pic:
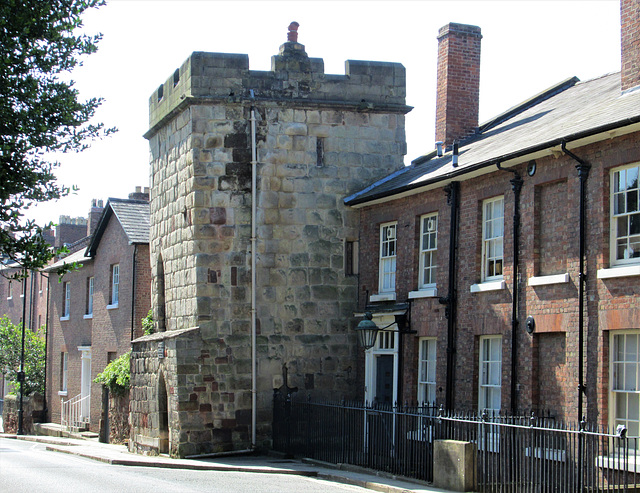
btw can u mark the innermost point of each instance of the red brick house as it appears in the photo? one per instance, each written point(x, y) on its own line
point(96, 310)
point(69, 232)
point(514, 254)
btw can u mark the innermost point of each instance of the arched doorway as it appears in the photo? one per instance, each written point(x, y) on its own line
point(163, 421)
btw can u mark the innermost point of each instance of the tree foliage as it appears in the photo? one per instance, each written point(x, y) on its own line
point(117, 375)
point(10, 355)
point(40, 114)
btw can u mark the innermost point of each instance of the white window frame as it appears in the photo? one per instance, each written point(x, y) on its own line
point(428, 250)
point(630, 198)
point(492, 239)
point(66, 301)
point(115, 285)
point(489, 366)
point(90, 286)
point(10, 291)
point(427, 347)
point(388, 255)
point(625, 380)
point(64, 373)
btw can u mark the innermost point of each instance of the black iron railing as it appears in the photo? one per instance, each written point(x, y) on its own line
point(514, 453)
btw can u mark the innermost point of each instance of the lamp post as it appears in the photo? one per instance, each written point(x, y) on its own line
point(21, 373)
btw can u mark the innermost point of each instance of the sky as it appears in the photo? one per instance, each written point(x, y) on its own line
point(527, 46)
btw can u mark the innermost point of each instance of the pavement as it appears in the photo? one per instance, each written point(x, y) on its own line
point(249, 463)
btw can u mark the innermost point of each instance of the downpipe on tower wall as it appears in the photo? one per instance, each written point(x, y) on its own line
point(254, 171)
point(583, 169)
point(516, 186)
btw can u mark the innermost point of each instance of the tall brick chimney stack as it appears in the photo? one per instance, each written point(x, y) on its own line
point(458, 86)
point(630, 44)
point(95, 213)
point(140, 194)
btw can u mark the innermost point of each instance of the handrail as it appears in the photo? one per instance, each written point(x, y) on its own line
point(71, 411)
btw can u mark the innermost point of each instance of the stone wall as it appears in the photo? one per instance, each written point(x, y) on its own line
point(119, 428)
point(319, 138)
point(32, 408)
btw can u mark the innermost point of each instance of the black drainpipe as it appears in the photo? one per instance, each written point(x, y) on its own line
point(453, 191)
point(583, 173)
point(45, 404)
point(133, 290)
point(516, 185)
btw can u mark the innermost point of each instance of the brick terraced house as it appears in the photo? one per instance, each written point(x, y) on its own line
point(96, 310)
point(514, 252)
point(70, 232)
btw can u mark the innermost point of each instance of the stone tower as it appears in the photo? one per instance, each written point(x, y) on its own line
point(298, 141)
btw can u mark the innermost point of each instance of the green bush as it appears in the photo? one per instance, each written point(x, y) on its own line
point(147, 324)
point(117, 375)
point(10, 355)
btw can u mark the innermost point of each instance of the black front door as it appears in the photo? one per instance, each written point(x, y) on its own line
point(384, 379)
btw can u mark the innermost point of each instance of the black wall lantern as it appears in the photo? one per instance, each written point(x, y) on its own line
point(367, 330)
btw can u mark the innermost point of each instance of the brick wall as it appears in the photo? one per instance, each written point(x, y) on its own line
point(546, 368)
point(108, 331)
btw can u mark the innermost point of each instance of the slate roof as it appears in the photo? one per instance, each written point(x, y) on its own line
point(79, 256)
point(569, 111)
point(133, 216)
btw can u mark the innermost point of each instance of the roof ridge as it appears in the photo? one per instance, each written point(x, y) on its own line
point(351, 197)
point(528, 103)
point(134, 201)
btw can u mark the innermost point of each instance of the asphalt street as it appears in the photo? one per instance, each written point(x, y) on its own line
point(28, 467)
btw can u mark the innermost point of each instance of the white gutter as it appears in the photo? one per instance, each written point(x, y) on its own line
point(254, 171)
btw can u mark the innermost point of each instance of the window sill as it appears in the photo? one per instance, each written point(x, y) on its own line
point(382, 297)
point(62, 319)
point(622, 271)
point(89, 316)
point(488, 286)
point(112, 307)
point(62, 393)
point(617, 462)
point(423, 293)
point(546, 280)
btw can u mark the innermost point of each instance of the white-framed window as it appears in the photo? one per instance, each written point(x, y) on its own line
point(625, 215)
point(64, 371)
point(492, 238)
point(90, 282)
point(625, 385)
point(490, 374)
point(115, 284)
point(427, 370)
point(388, 257)
point(66, 300)
point(10, 291)
point(428, 250)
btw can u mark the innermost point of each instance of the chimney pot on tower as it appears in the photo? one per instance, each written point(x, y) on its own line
point(292, 35)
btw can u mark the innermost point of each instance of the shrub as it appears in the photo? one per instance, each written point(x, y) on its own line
point(117, 375)
point(147, 324)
